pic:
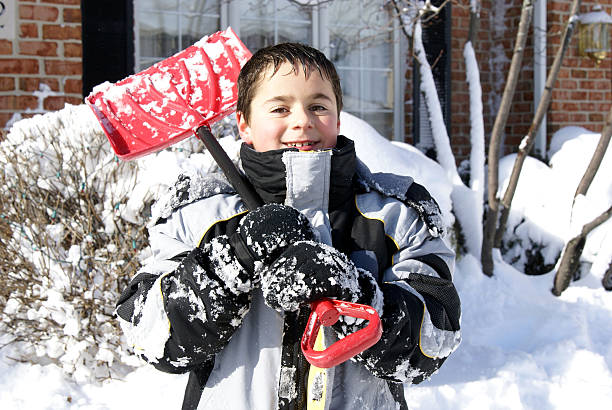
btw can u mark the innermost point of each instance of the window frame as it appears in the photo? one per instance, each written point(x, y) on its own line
point(230, 16)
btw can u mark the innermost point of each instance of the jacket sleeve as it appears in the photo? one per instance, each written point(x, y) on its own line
point(184, 306)
point(421, 310)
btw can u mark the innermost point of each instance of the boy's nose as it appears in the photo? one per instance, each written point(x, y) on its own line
point(302, 118)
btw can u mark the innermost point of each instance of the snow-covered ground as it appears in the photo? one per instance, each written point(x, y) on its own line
point(522, 347)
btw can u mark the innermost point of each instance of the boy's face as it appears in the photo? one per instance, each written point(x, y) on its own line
point(290, 110)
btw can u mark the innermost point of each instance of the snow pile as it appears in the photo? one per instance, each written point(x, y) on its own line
point(542, 219)
point(522, 347)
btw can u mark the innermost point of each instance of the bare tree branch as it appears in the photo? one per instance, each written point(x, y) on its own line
point(572, 251)
point(598, 155)
point(496, 137)
point(527, 143)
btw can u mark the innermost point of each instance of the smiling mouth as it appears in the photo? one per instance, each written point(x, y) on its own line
point(300, 144)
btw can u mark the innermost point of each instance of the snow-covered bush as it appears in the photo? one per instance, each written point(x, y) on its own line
point(69, 241)
point(73, 232)
point(544, 216)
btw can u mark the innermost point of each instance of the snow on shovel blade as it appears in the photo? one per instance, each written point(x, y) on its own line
point(165, 103)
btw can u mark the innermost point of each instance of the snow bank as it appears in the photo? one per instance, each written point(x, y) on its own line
point(522, 348)
point(542, 219)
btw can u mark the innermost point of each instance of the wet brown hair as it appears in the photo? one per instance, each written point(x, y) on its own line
point(299, 56)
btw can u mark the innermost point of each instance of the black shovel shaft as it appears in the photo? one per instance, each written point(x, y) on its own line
point(199, 376)
point(242, 186)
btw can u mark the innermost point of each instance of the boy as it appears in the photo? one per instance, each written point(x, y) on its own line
point(227, 295)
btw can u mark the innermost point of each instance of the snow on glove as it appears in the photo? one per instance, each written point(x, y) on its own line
point(264, 233)
point(307, 271)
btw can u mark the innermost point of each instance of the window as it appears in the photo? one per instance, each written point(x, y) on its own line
point(359, 36)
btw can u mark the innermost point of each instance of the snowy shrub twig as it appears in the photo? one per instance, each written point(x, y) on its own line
point(67, 245)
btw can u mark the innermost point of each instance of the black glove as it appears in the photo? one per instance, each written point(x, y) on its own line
point(308, 271)
point(263, 234)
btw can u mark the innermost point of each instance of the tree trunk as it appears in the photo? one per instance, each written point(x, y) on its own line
point(474, 20)
point(607, 278)
point(527, 142)
point(598, 155)
point(496, 136)
point(571, 254)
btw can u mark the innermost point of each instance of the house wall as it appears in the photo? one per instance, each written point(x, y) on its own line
point(47, 50)
point(582, 94)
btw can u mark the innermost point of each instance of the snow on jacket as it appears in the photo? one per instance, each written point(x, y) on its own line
point(385, 223)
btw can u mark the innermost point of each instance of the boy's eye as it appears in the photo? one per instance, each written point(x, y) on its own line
point(318, 108)
point(279, 110)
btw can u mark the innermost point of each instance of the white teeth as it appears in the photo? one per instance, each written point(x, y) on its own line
point(300, 144)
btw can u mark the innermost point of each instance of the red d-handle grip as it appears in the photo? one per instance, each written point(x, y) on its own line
point(326, 312)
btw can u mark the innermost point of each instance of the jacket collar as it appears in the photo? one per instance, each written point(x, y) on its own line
point(269, 174)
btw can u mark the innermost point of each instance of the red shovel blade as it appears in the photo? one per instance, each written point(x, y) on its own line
point(326, 312)
point(163, 104)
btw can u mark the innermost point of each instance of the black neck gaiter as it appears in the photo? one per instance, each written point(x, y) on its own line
point(267, 172)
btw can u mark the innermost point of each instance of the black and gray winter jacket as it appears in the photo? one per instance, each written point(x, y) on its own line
point(178, 316)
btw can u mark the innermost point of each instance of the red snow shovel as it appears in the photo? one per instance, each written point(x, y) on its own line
point(174, 99)
point(181, 96)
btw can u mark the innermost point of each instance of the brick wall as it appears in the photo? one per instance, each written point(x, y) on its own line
point(582, 94)
point(47, 51)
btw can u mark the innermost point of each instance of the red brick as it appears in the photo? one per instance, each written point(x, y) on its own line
point(560, 95)
point(578, 95)
point(605, 107)
point(596, 74)
point(6, 47)
point(569, 106)
point(33, 84)
point(70, 2)
point(72, 86)
point(7, 84)
point(578, 73)
point(28, 30)
point(61, 67)
point(73, 50)
point(555, 105)
point(4, 118)
point(577, 117)
point(597, 96)
point(564, 73)
point(567, 84)
point(18, 66)
point(61, 32)
point(18, 102)
point(57, 102)
point(558, 117)
point(72, 15)
point(592, 85)
point(39, 13)
point(587, 106)
point(38, 48)
point(596, 117)
point(558, 6)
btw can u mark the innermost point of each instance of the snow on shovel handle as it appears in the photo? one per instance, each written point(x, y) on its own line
point(326, 312)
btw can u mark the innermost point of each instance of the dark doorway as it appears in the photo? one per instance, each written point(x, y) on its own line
point(108, 41)
point(437, 43)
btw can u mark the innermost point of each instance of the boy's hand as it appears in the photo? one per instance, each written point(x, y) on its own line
point(308, 271)
point(264, 233)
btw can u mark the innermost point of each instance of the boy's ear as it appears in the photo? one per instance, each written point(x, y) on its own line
point(243, 128)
